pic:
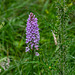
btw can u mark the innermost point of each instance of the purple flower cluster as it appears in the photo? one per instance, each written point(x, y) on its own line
point(32, 34)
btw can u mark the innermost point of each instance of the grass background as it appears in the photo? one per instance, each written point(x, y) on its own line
point(13, 18)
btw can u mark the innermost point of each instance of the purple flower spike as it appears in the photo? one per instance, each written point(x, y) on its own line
point(32, 33)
